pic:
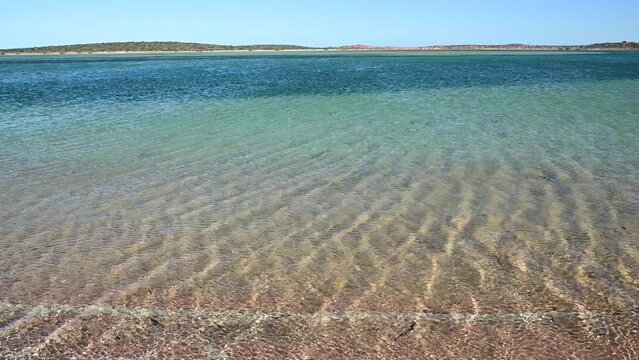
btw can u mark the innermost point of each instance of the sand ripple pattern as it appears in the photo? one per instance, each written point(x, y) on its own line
point(103, 332)
point(457, 222)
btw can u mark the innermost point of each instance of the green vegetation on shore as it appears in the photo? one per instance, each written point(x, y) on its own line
point(143, 46)
point(613, 45)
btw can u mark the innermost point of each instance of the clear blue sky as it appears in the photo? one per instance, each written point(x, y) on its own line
point(318, 22)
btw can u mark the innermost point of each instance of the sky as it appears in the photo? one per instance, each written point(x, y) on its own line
point(25, 23)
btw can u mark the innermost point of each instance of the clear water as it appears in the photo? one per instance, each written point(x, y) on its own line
point(457, 184)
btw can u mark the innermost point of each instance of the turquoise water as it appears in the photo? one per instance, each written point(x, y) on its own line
point(445, 183)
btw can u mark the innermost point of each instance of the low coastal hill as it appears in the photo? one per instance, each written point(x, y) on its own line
point(146, 46)
point(173, 46)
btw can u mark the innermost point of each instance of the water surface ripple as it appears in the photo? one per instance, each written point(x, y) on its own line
point(474, 198)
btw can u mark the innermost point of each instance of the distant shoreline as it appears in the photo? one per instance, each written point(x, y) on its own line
point(152, 52)
point(296, 50)
point(169, 47)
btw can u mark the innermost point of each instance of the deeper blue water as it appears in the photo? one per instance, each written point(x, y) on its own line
point(42, 81)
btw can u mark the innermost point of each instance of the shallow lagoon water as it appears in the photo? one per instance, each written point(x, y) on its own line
point(425, 194)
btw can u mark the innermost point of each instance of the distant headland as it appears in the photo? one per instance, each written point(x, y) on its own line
point(146, 46)
point(173, 46)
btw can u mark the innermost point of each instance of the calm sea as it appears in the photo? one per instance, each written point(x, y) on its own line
point(455, 188)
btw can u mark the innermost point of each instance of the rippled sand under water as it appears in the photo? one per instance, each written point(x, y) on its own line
point(458, 222)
